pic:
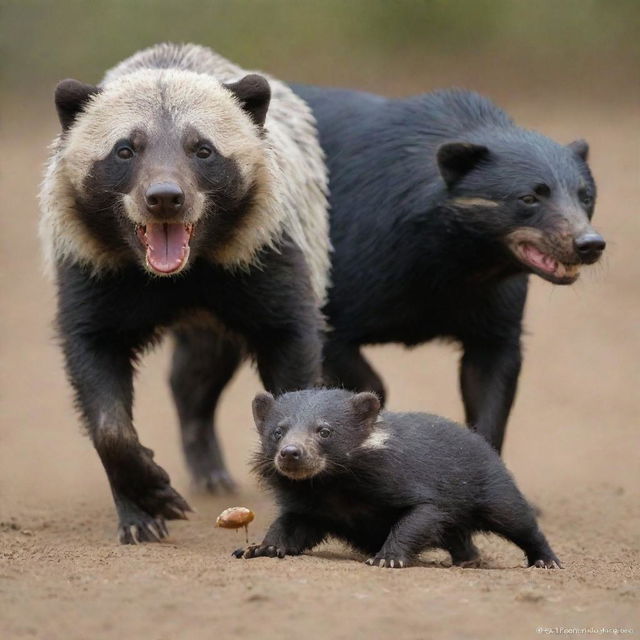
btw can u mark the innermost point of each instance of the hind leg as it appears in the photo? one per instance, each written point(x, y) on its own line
point(419, 528)
point(344, 366)
point(509, 515)
point(459, 544)
point(203, 363)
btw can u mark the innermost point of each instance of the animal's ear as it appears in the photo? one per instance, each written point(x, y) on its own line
point(366, 406)
point(580, 148)
point(71, 96)
point(262, 404)
point(254, 93)
point(456, 159)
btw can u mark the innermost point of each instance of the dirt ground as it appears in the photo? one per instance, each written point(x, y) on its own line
point(572, 444)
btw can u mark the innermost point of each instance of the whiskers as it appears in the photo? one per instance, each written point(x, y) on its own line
point(262, 466)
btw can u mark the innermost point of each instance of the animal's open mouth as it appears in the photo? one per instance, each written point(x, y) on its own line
point(166, 244)
point(545, 265)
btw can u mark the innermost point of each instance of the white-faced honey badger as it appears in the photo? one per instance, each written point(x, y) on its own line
point(184, 193)
point(388, 484)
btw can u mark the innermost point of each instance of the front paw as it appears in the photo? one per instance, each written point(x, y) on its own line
point(260, 551)
point(388, 561)
point(144, 499)
point(547, 563)
point(137, 526)
point(143, 519)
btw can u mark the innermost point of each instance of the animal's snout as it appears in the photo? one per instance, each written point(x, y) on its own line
point(164, 199)
point(291, 453)
point(590, 246)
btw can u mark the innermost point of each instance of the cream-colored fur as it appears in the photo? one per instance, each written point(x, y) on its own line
point(286, 165)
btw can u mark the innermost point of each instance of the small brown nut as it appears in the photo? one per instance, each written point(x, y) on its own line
point(234, 518)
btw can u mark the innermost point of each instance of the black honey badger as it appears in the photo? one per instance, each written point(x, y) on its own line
point(183, 192)
point(388, 484)
point(440, 207)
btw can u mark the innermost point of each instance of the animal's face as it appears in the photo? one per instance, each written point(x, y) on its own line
point(306, 433)
point(164, 164)
point(532, 195)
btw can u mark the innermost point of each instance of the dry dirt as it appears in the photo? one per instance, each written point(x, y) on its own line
point(573, 446)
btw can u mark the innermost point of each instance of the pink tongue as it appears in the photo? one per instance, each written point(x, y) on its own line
point(167, 246)
point(539, 259)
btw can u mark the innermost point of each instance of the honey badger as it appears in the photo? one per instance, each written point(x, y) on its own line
point(185, 193)
point(388, 484)
point(441, 207)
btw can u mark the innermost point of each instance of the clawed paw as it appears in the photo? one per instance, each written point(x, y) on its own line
point(142, 529)
point(142, 519)
point(260, 551)
point(547, 563)
point(163, 500)
point(387, 562)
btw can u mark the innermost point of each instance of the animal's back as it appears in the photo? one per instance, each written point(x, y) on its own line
point(434, 455)
point(358, 129)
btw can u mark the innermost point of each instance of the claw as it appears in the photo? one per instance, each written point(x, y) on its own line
point(133, 532)
point(544, 564)
point(160, 523)
point(401, 564)
point(251, 552)
point(174, 513)
point(392, 563)
point(153, 531)
point(381, 563)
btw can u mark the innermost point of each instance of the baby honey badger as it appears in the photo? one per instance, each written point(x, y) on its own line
point(389, 484)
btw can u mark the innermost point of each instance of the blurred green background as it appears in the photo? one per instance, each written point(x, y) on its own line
point(588, 48)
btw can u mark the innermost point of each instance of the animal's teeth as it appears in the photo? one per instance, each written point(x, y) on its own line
point(560, 270)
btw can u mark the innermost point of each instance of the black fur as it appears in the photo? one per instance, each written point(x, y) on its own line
point(218, 315)
point(105, 324)
point(430, 484)
point(419, 256)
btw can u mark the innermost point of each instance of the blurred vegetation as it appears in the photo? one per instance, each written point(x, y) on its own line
point(401, 45)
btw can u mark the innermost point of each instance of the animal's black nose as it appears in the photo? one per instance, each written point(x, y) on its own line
point(589, 246)
point(164, 199)
point(291, 452)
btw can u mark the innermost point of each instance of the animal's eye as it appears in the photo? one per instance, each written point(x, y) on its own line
point(124, 152)
point(277, 433)
point(587, 200)
point(529, 199)
point(324, 432)
point(203, 151)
